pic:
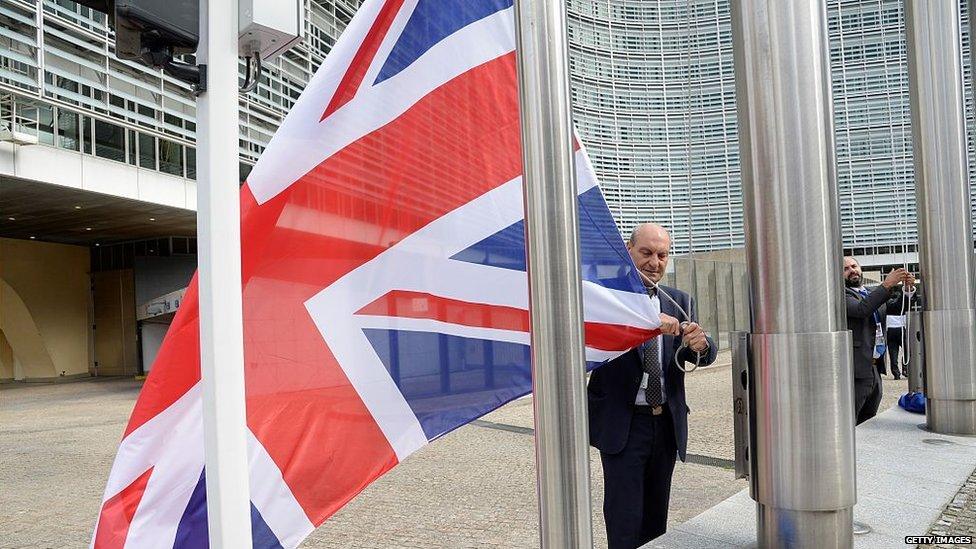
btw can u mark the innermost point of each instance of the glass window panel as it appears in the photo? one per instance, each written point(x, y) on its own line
point(109, 141)
point(147, 151)
point(86, 134)
point(244, 171)
point(170, 157)
point(45, 125)
point(191, 163)
point(68, 137)
point(171, 119)
point(131, 143)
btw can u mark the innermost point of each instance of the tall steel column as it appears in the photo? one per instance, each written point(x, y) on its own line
point(945, 227)
point(801, 389)
point(555, 294)
point(219, 279)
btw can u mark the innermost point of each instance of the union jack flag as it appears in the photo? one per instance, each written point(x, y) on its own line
point(384, 286)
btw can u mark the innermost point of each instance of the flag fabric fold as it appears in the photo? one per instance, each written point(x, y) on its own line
point(384, 282)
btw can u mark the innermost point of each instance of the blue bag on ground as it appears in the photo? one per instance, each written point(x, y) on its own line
point(913, 402)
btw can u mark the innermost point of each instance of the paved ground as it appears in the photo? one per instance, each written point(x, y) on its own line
point(959, 516)
point(473, 488)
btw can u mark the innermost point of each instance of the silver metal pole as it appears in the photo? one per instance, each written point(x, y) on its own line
point(945, 228)
point(219, 280)
point(801, 388)
point(552, 248)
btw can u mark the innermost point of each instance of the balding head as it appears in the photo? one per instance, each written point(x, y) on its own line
point(649, 230)
point(649, 246)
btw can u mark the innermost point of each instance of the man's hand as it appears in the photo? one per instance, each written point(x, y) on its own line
point(898, 276)
point(670, 325)
point(694, 337)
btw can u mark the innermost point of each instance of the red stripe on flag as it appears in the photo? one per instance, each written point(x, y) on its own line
point(614, 337)
point(117, 513)
point(353, 78)
point(179, 355)
point(401, 303)
point(407, 304)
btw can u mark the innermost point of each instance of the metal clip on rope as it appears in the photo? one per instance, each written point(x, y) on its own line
point(677, 363)
point(684, 324)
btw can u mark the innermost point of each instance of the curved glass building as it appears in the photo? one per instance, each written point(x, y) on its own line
point(653, 100)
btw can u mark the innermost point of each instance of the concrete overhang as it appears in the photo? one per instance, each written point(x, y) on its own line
point(54, 213)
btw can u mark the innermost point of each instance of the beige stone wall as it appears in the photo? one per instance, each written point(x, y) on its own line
point(44, 309)
point(729, 255)
point(114, 312)
point(6, 359)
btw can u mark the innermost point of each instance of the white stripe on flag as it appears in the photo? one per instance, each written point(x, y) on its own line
point(493, 334)
point(273, 498)
point(176, 474)
point(141, 448)
point(303, 141)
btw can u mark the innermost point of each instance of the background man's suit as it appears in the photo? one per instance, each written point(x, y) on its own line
point(861, 322)
point(638, 450)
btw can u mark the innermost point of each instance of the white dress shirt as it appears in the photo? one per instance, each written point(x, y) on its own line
point(896, 321)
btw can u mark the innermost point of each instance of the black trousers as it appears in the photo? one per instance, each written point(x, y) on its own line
point(879, 364)
point(867, 398)
point(894, 336)
point(637, 482)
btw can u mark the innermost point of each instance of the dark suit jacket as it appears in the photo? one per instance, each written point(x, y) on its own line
point(860, 321)
point(613, 387)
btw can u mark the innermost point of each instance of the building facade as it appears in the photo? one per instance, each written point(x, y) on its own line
point(872, 122)
point(97, 232)
point(654, 91)
point(60, 79)
point(654, 103)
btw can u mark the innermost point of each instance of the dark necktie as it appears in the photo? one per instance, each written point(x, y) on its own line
point(651, 364)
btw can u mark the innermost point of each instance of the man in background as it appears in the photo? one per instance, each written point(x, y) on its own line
point(866, 311)
point(894, 332)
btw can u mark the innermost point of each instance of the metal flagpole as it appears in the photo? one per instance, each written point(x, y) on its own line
point(801, 384)
point(945, 228)
point(219, 281)
point(552, 249)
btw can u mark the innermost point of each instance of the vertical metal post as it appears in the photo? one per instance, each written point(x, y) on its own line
point(914, 351)
point(219, 281)
point(945, 228)
point(552, 248)
point(801, 391)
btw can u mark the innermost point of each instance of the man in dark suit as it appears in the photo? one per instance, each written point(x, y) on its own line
point(866, 311)
point(637, 412)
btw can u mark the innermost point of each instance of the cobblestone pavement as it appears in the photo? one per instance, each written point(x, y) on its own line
point(959, 516)
point(473, 488)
